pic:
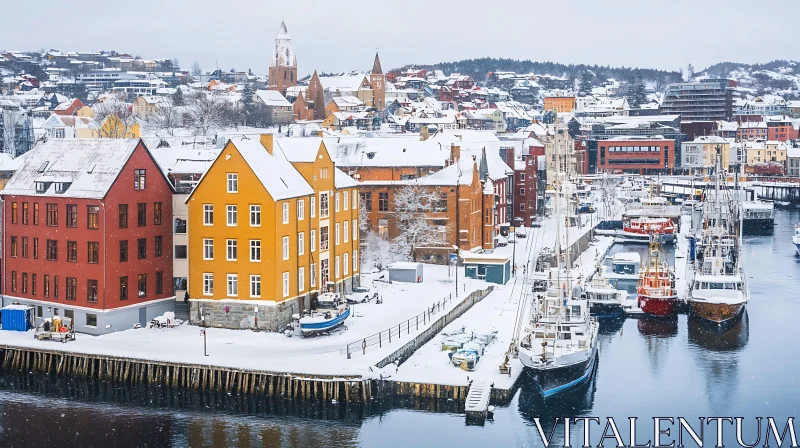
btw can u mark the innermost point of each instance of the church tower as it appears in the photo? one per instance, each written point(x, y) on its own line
point(283, 65)
point(378, 83)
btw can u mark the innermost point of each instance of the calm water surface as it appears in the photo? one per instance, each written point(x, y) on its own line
point(646, 368)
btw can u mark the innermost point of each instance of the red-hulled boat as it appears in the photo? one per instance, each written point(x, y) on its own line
point(648, 226)
point(657, 295)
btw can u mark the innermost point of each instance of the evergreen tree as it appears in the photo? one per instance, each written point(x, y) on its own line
point(585, 86)
point(636, 93)
point(177, 97)
point(249, 105)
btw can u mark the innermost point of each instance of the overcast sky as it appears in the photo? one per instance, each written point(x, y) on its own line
point(343, 35)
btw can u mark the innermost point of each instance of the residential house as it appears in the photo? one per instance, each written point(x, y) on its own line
point(278, 108)
point(780, 128)
point(765, 151)
point(700, 154)
point(751, 131)
point(147, 105)
point(65, 126)
point(793, 162)
point(560, 103)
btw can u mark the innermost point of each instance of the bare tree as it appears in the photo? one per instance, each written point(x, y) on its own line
point(166, 119)
point(208, 112)
point(413, 205)
point(608, 195)
point(196, 69)
point(379, 252)
point(115, 119)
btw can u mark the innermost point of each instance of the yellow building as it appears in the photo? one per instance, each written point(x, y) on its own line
point(560, 103)
point(115, 127)
point(765, 151)
point(272, 223)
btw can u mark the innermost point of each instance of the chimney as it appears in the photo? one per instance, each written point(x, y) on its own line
point(455, 153)
point(423, 133)
point(267, 142)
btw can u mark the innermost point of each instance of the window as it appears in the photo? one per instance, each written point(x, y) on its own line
point(233, 285)
point(123, 288)
point(159, 282)
point(25, 213)
point(123, 216)
point(24, 282)
point(91, 290)
point(313, 206)
point(313, 242)
point(33, 284)
point(522, 191)
point(301, 209)
point(233, 182)
point(312, 269)
point(355, 229)
point(141, 248)
point(208, 214)
point(208, 249)
point(94, 252)
point(346, 200)
point(36, 213)
point(46, 288)
point(324, 272)
point(232, 249)
point(93, 217)
point(336, 267)
point(354, 195)
point(440, 204)
point(141, 214)
point(180, 252)
point(141, 281)
point(285, 284)
point(52, 250)
point(323, 205)
point(285, 213)
point(285, 246)
point(233, 219)
point(55, 286)
point(52, 215)
point(36, 248)
point(157, 213)
point(346, 231)
point(13, 281)
point(91, 320)
point(14, 213)
point(366, 199)
point(337, 234)
point(72, 288)
point(180, 226)
point(72, 215)
point(255, 250)
point(123, 250)
point(139, 179)
point(72, 251)
point(301, 279)
point(255, 286)
point(383, 202)
point(345, 263)
point(355, 261)
point(208, 284)
point(521, 176)
point(323, 173)
point(14, 247)
point(159, 245)
point(336, 201)
point(301, 243)
point(255, 216)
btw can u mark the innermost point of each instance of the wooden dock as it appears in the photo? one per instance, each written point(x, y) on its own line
point(477, 404)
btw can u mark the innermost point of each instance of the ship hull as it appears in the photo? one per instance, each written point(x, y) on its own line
point(659, 306)
point(605, 309)
point(797, 248)
point(553, 380)
point(758, 225)
point(716, 313)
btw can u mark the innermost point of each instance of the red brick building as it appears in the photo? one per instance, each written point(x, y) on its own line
point(781, 128)
point(636, 155)
point(87, 234)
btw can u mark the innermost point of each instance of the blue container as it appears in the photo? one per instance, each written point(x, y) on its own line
point(692, 244)
point(16, 318)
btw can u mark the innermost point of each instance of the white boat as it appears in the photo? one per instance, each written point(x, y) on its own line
point(604, 299)
point(796, 238)
point(624, 266)
point(330, 313)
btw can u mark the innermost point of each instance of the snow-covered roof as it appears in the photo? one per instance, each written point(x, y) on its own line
point(272, 98)
point(299, 149)
point(386, 151)
point(342, 180)
point(347, 101)
point(344, 83)
point(90, 165)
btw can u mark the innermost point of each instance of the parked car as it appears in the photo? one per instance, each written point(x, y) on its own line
point(521, 234)
point(500, 241)
point(361, 294)
point(536, 223)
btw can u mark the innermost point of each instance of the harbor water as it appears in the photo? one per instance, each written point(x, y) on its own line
point(646, 368)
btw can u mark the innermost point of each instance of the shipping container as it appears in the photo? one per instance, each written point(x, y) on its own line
point(16, 318)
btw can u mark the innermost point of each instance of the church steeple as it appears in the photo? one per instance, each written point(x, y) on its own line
point(378, 83)
point(282, 64)
point(376, 66)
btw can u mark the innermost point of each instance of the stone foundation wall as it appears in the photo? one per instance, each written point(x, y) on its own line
point(235, 315)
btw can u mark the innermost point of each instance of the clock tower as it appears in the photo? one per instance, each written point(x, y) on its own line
point(282, 65)
point(378, 82)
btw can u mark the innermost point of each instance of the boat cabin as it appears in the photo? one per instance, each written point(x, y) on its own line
point(625, 263)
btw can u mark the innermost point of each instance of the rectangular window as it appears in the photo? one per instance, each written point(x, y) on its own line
point(180, 252)
point(285, 246)
point(91, 290)
point(141, 281)
point(141, 248)
point(72, 251)
point(159, 282)
point(336, 201)
point(33, 284)
point(337, 234)
point(285, 284)
point(72, 288)
point(336, 267)
point(123, 288)
point(285, 213)
point(355, 261)
point(355, 230)
point(366, 201)
point(123, 216)
point(55, 286)
point(323, 238)
point(301, 279)
point(141, 214)
point(346, 200)
point(354, 196)
point(36, 248)
point(345, 263)
point(94, 252)
point(312, 269)
point(208, 249)
point(323, 205)
point(157, 213)
point(208, 284)
point(14, 248)
point(14, 213)
point(232, 249)
point(25, 213)
point(313, 206)
point(24, 282)
point(522, 191)
point(180, 226)
point(233, 218)
point(255, 216)
point(208, 214)
point(159, 245)
point(346, 231)
point(313, 242)
point(255, 286)
point(92, 217)
point(383, 202)
point(255, 250)
point(139, 177)
point(52, 250)
point(52, 215)
point(13, 281)
point(123, 250)
point(91, 320)
point(233, 285)
point(324, 272)
point(233, 182)
point(301, 243)
point(46, 287)
point(36, 213)
point(301, 209)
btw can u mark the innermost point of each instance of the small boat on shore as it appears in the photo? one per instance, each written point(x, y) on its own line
point(657, 294)
point(330, 313)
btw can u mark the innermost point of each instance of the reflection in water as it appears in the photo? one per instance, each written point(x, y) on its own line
point(609, 326)
point(657, 332)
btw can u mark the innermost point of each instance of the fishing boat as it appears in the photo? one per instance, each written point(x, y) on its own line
point(641, 229)
point(624, 266)
point(330, 313)
point(604, 299)
point(656, 289)
point(796, 238)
